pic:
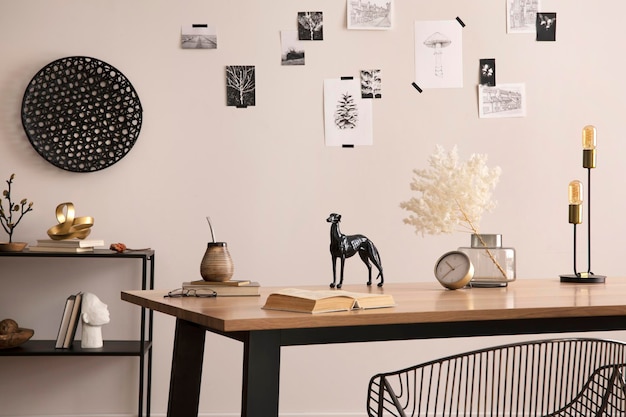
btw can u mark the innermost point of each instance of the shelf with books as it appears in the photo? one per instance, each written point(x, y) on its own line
point(140, 348)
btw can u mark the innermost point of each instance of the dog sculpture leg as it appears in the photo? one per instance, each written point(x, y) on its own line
point(365, 258)
point(334, 261)
point(343, 262)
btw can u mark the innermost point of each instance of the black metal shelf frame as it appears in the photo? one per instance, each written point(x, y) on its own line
point(141, 348)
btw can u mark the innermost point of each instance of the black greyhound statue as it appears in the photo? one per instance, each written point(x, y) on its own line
point(342, 247)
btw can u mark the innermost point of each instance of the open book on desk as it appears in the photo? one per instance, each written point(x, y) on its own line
point(325, 301)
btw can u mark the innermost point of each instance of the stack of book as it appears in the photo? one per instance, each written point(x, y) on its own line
point(68, 245)
point(69, 321)
point(232, 288)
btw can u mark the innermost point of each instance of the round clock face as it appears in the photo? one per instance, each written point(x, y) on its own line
point(454, 270)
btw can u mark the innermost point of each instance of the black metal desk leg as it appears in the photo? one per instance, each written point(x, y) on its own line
point(261, 374)
point(186, 369)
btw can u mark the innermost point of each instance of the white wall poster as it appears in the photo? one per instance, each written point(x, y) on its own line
point(347, 117)
point(439, 54)
point(504, 100)
point(292, 48)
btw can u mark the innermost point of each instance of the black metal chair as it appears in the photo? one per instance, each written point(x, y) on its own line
point(557, 378)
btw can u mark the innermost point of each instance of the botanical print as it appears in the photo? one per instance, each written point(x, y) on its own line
point(546, 27)
point(310, 26)
point(200, 36)
point(240, 85)
point(292, 48)
point(371, 84)
point(488, 72)
point(347, 117)
point(505, 100)
point(369, 14)
point(438, 54)
point(521, 15)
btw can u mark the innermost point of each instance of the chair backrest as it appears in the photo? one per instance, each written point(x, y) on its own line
point(556, 377)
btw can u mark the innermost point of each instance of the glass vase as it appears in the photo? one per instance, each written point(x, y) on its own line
point(494, 265)
point(216, 264)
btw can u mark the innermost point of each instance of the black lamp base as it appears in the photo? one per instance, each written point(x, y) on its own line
point(588, 279)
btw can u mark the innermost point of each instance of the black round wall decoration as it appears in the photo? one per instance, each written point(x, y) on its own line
point(81, 114)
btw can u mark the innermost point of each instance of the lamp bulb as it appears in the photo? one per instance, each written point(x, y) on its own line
point(589, 137)
point(575, 192)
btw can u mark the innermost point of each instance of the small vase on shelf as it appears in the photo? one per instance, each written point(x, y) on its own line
point(216, 264)
point(494, 265)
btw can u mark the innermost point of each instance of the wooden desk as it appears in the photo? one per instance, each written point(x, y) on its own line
point(424, 310)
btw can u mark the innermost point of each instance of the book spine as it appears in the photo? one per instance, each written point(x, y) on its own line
point(73, 322)
point(65, 318)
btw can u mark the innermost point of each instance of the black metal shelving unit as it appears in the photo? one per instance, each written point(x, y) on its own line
point(141, 348)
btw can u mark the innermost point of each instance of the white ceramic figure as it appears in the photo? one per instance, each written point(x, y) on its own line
point(94, 314)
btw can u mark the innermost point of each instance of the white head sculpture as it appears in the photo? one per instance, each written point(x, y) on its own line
point(94, 314)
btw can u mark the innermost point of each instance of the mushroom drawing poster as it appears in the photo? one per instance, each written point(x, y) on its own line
point(347, 116)
point(439, 54)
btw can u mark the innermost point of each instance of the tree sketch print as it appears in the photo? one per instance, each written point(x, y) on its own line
point(240, 85)
point(310, 26)
point(370, 84)
point(347, 113)
point(438, 41)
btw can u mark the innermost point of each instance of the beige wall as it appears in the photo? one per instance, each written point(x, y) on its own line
point(267, 181)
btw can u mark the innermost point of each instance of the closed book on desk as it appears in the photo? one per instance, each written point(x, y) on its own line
point(72, 243)
point(65, 319)
point(325, 301)
point(58, 249)
point(230, 283)
point(251, 289)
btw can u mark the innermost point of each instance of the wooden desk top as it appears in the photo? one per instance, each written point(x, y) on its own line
point(416, 303)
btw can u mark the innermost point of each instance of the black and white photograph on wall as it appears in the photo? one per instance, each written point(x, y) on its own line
point(347, 117)
point(310, 26)
point(521, 15)
point(488, 72)
point(371, 84)
point(439, 54)
point(369, 14)
point(240, 85)
point(198, 36)
point(505, 100)
point(546, 27)
point(292, 48)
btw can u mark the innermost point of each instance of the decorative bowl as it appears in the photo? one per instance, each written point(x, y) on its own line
point(12, 246)
point(15, 339)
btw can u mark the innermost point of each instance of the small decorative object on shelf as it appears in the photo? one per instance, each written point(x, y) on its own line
point(11, 216)
point(94, 314)
point(70, 226)
point(12, 335)
point(455, 194)
point(494, 265)
point(342, 247)
point(575, 215)
point(216, 264)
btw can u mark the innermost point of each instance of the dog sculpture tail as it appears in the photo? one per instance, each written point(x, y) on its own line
point(375, 258)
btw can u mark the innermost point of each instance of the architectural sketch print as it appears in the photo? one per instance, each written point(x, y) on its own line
point(371, 84)
point(240, 85)
point(310, 26)
point(347, 117)
point(505, 100)
point(521, 15)
point(199, 36)
point(369, 14)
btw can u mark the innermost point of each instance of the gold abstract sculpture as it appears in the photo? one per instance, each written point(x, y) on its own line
point(70, 226)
